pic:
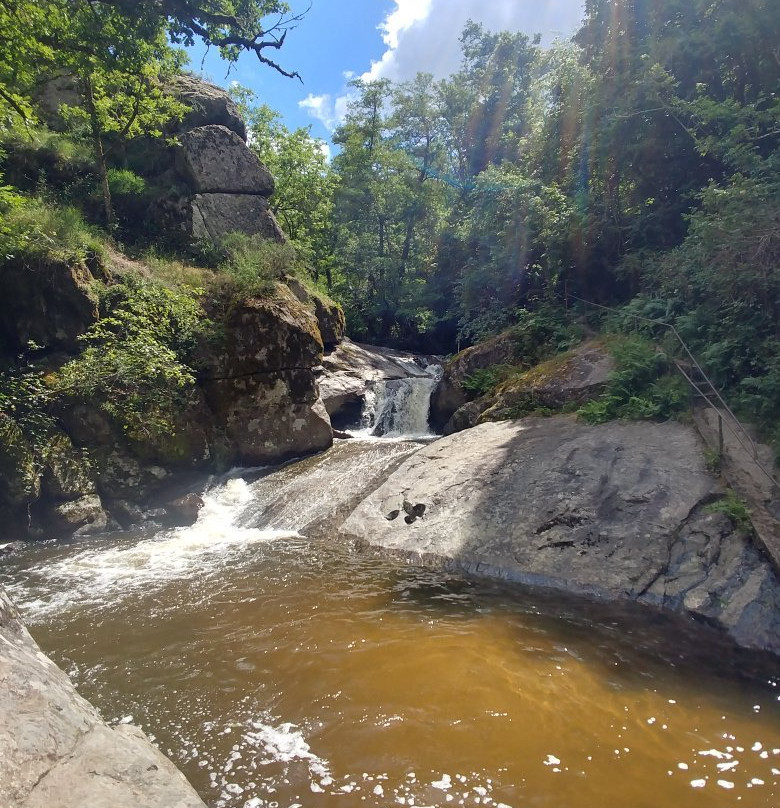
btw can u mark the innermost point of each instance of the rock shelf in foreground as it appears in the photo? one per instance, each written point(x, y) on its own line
point(55, 750)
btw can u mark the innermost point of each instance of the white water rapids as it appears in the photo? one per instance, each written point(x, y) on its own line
point(399, 408)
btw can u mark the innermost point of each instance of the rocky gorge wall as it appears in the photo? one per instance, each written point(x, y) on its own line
point(256, 400)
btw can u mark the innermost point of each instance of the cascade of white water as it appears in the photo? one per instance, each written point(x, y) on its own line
point(400, 407)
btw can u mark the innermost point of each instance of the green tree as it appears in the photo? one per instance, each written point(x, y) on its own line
point(303, 196)
point(120, 67)
point(390, 207)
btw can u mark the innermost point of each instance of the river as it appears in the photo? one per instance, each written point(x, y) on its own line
point(278, 666)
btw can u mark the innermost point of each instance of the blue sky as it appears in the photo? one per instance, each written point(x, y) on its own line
point(340, 39)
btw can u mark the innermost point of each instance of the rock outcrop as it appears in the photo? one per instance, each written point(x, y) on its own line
point(450, 394)
point(569, 379)
point(208, 104)
point(56, 750)
point(221, 185)
point(50, 304)
point(215, 160)
point(619, 510)
point(262, 387)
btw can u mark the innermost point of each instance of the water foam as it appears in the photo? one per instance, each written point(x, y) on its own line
point(101, 574)
point(285, 743)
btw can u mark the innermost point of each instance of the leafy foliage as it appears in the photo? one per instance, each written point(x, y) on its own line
point(735, 509)
point(642, 386)
point(303, 196)
point(35, 230)
point(134, 364)
point(248, 266)
point(542, 332)
point(485, 380)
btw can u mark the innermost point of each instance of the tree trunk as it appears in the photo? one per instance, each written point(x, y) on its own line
point(100, 156)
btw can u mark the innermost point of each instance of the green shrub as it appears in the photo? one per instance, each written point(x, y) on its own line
point(35, 230)
point(485, 380)
point(25, 399)
point(735, 509)
point(643, 386)
point(248, 266)
point(50, 164)
point(543, 332)
point(123, 182)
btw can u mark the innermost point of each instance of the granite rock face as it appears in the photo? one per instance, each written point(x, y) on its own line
point(56, 750)
point(618, 511)
point(217, 161)
point(213, 216)
point(50, 304)
point(208, 104)
point(352, 369)
point(262, 386)
point(571, 378)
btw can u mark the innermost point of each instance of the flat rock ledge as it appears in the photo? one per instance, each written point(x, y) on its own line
point(617, 511)
point(55, 750)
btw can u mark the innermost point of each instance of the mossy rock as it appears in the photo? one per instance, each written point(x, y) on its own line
point(67, 472)
point(565, 381)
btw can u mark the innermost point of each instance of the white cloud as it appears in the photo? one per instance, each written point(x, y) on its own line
point(428, 41)
point(325, 108)
point(325, 149)
point(422, 36)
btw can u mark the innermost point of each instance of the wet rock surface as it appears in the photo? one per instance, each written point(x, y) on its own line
point(56, 750)
point(618, 511)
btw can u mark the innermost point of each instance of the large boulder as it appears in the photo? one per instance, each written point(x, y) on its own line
point(450, 394)
point(77, 516)
point(618, 510)
point(208, 104)
point(215, 160)
point(56, 750)
point(330, 316)
point(222, 188)
point(213, 216)
point(566, 380)
point(261, 385)
point(67, 473)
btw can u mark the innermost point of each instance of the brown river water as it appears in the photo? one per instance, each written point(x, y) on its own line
point(280, 667)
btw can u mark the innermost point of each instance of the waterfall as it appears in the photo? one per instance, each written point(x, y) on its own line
point(399, 407)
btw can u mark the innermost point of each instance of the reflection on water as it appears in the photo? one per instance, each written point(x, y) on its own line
point(286, 670)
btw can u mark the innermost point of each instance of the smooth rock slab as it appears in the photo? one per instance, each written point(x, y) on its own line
point(216, 160)
point(617, 510)
point(55, 750)
point(213, 216)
